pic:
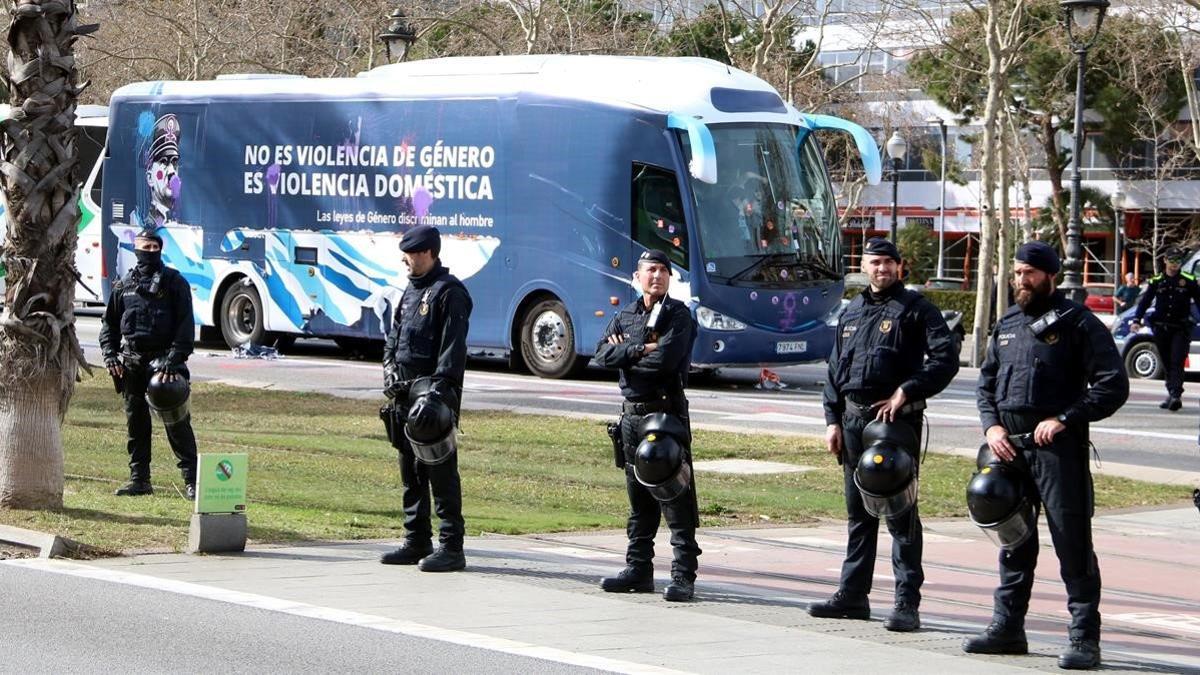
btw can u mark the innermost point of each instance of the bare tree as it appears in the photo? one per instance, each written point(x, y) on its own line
point(39, 352)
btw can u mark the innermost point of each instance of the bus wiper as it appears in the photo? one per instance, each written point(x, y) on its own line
point(759, 262)
point(818, 265)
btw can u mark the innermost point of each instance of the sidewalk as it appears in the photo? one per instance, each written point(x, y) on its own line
point(538, 596)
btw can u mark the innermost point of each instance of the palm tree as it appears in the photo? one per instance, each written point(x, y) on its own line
point(40, 355)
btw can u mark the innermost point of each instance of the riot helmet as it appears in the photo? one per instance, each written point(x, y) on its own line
point(660, 461)
point(886, 475)
point(997, 503)
point(168, 400)
point(430, 427)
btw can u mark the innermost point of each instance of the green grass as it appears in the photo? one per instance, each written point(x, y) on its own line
point(321, 468)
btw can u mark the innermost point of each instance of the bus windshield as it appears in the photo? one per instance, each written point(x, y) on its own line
point(770, 219)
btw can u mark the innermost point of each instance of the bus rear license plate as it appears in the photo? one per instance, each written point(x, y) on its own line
point(793, 347)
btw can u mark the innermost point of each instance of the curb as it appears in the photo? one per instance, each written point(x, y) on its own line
point(1149, 474)
point(48, 545)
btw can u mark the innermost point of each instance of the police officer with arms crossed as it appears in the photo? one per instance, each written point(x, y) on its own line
point(879, 371)
point(1172, 294)
point(650, 342)
point(147, 328)
point(1051, 369)
point(428, 338)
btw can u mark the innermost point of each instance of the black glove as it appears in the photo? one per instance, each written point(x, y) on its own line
point(111, 362)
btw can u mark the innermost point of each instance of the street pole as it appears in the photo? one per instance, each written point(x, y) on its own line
point(895, 193)
point(1072, 285)
point(942, 207)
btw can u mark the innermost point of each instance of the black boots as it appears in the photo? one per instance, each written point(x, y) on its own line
point(189, 492)
point(135, 487)
point(409, 553)
point(842, 606)
point(630, 580)
point(1081, 655)
point(681, 589)
point(1171, 404)
point(904, 619)
point(997, 639)
point(444, 559)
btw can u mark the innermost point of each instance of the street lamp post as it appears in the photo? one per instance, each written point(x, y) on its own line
point(942, 205)
point(1118, 204)
point(1082, 19)
point(896, 147)
point(400, 34)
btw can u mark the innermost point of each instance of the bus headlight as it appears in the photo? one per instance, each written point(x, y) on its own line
point(711, 320)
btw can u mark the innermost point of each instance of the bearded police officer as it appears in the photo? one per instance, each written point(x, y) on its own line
point(1172, 294)
point(650, 342)
point(1051, 369)
point(148, 329)
point(428, 339)
point(892, 351)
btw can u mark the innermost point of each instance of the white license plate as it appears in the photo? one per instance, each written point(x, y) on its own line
point(793, 347)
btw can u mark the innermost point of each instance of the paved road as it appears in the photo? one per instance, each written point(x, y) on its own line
point(54, 623)
point(1140, 434)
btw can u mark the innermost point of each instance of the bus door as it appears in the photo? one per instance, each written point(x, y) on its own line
point(89, 260)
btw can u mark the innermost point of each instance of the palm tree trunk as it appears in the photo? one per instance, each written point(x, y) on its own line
point(39, 352)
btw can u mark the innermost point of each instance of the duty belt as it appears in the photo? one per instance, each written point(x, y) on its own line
point(867, 412)
point(1023, 441)
point(646, 408)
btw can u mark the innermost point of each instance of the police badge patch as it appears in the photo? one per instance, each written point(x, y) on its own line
point(1052, 338)
point(885, 326)
point(1182, 283)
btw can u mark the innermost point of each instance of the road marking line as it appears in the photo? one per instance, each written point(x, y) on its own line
point(577, 399)
point(1189, 623)
point(373, 622)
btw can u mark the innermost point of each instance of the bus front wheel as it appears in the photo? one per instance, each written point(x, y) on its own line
point(548, 341)
point(242, 318)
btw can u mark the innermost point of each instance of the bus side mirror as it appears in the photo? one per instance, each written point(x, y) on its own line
point(703, 166)
point(867, 149)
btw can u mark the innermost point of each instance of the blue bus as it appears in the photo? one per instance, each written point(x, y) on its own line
point(282, 198)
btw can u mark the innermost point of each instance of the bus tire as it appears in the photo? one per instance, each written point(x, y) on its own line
point(548, 341)
point(242, 318)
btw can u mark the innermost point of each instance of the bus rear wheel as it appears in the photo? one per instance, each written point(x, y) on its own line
point(242, 318)
point(548, 341)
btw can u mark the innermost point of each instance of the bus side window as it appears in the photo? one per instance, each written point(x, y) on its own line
point(658, 213)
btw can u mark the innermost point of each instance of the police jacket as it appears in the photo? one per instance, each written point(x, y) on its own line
point(662, 372)
point(1071, 370)
point(428, 336)
point(149, 317)
point(1172, 297)
point(882, 342)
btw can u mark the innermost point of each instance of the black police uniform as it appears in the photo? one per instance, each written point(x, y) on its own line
point(653, 383)
point(882, 342)
point(428, 338)
point(1067, 369)
point(1172, 323)
point(149, 315)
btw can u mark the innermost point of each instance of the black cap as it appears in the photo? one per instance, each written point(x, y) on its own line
point(1040, 255)
point(881, 246)
point(165, 142)
point(421, 238)
point(150, 233)
point(1175, 254)
point(654, 256)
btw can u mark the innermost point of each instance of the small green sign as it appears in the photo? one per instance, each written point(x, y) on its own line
point(221, 483)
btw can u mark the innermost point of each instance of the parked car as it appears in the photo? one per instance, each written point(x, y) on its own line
point(1100, 299)
point(1141, 357)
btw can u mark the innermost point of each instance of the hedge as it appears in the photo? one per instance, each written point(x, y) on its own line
point(963, 301)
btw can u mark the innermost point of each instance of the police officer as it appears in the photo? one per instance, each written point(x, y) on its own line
point(879, 371)
point(1051, 369)
point(1172, 294)
point(653, 361)
point(148, 317)
point(428, 338)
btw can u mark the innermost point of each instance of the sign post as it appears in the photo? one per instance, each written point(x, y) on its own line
point(219, 520)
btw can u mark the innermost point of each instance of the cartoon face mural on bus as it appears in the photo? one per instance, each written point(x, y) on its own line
point(321, 277)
